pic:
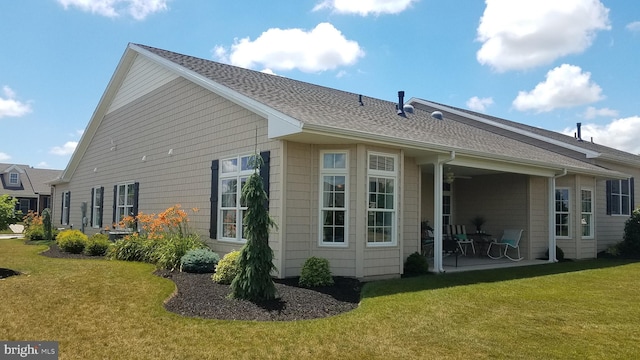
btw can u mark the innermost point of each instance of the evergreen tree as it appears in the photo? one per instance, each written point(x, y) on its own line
point(253, 281)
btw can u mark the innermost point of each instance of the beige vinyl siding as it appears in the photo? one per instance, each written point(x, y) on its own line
point(200, 127)
point(302, 207)
point(502, 199)
point(143, 77)
point(538, 217)
point(410, 209)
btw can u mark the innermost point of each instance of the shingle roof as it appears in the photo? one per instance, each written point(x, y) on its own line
point(34, 181)
point(334, 109)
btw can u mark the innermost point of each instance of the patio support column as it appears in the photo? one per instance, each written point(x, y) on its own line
point(437, 211)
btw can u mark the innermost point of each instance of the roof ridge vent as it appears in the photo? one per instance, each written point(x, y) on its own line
point(437, 115)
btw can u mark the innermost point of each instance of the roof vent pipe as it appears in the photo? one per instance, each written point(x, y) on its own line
point(579, 131)
point(400, 107)
point(360, 100)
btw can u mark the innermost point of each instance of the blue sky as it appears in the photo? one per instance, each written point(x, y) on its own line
point(544, 63)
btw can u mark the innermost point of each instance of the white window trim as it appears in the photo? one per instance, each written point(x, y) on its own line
point(569, 232)
point(331, 172)
point(17, 178)
point(592, 224)
point(96, 208)
point(125, 205)
point(66, 213)
point(237, 174)
point(385, 174)
point(620, 196)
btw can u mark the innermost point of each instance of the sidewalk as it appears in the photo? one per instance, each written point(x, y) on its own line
point(17, 232)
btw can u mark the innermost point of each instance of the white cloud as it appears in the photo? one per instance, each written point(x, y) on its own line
point(323, 48)
point(43, 165)
point(66, 149)
point(634, 26)
point(565, 86)
point(520, 35)
point(365, 7)
point(620, 134)
point(478, 104)
point(4, 157)
point(138, 9)
point(10, 107)
point(592, 113)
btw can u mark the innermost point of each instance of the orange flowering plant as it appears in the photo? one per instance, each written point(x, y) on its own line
point(172, 221)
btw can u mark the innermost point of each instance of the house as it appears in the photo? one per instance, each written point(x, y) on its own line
point(349, 177)
point(28, 185)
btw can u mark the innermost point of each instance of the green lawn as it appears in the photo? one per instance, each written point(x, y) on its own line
point(100, 309)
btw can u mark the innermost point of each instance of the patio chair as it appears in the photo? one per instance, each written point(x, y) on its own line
point(510, 240)
point(459, 234)
point(427, 243)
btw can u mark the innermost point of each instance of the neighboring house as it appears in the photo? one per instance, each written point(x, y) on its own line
point(28, 185)
point(350, 178)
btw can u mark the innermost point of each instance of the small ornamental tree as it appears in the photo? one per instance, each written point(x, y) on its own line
point(7, 211)
point(253, 281)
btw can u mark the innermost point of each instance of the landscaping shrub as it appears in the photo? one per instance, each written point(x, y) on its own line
point(315, 272)
point(199, 261)
point(630, 245)
point(72, 241)
point(131, 248)
point(169, 250)
point(46, 224)
point(227, 268)
point(7, 211)
point(559, 254)
point(416, 264)
point(97, 245)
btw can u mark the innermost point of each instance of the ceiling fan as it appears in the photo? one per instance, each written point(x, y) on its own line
point(450, 176)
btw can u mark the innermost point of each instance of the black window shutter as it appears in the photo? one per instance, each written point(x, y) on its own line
point(92, 204)
point(631, 195)
point(62, 209)
point(115, 203)
point(264, 173)
point(213, 217)
point(136, 191)
point(68, 207)
point(101, 206)
point(609, 197)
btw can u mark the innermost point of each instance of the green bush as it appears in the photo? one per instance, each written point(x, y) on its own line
point(630, 245)
point(199, 261)
point(72, 241)
point(416, 264)
point(169, 250)
point(132, 248)
point(315, 272)
point(7, 211)
point(97, 245)
point(227, 268)
point(35, 232)
point(559, 254)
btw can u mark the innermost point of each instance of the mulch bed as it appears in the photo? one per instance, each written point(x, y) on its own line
point(197, 295)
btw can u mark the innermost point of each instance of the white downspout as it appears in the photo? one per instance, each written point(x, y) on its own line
point(552, 216)
point(437, 212)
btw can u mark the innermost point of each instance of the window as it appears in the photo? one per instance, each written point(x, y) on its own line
point(14, 179)
point(619, 197)
point(126, 201)
point(333, 198)
point(381, 215)
point(97, 195)
point(586, 219)
point(562, 212)
point(446, 204)
point(66, 201)
point(233, 175)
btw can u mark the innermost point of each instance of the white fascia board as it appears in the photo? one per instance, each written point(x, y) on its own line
point(284, 124)
point(588, 153)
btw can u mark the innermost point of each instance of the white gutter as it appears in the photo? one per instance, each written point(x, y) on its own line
point(437, 211)
point(588, 153)
point(552, 215)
